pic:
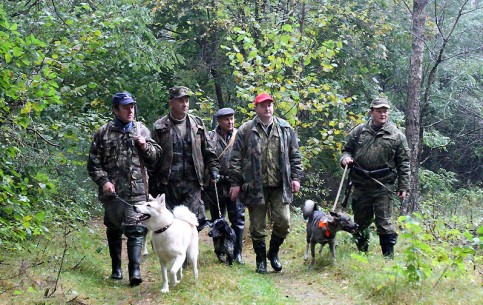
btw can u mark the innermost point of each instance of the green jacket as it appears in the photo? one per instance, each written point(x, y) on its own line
point(114, 157)
point(386, 148)
point(245, 162)
point(203, 153)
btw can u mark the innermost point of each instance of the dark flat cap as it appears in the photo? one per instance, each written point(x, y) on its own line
point(224, 112)
point(122, 98)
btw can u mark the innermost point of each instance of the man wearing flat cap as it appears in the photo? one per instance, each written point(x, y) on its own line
point(222, 138)
point(186, 152)
point(118, 153)
point(265, 171)
point(378, 153)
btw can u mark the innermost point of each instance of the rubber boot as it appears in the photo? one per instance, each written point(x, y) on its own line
point(275, 243)
point(135, 241)
point(237, 220)
point(114, 240)
point(261, 256)
point(361, 239)
point(387, 243)
point(237, 251)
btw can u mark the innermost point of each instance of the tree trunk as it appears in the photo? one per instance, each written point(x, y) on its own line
point(413, 112)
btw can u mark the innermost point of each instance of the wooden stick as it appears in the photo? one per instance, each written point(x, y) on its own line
point(340, 186)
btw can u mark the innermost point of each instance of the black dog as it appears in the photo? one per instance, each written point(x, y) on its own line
point(223, 240)
point(321, 228)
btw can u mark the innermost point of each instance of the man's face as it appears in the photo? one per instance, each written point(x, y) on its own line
point(264, 109)
point(379, 116)
point(226, 123)
point(179, 106)
point(125, 113)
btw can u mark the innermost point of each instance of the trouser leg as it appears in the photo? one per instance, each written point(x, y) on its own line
point(236, 215)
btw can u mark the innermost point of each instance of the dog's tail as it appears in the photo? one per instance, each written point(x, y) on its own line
point(309, 208)
point(183, 213)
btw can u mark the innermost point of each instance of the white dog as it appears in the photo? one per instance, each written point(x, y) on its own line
point(174, 237)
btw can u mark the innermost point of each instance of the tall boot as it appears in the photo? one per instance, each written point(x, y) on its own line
point(237, 220)
point(261, 256)
point(114, 240)
point(275, 243)
point(237, 251)
point(135, 241)
point(387, 243)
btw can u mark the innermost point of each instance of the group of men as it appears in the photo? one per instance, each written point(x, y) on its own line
point(257, 166)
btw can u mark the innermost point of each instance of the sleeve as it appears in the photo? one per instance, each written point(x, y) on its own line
point(235, 169)
point(153, 150)
point(95, 167)
point(295, 157)
point(348, 147)
point(402, 163)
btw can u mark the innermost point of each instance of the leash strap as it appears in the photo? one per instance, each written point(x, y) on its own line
point(217, 200)
point(340, 187)
point(375, 180)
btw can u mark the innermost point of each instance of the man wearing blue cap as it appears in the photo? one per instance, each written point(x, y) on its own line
point(119, 152)
point(222, 138)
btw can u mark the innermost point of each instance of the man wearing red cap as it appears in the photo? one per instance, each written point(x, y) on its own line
point(265, 171)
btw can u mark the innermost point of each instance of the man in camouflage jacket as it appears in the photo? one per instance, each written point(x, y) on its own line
point(116, 163)
point(185, 153)
point(265, 171)
point(222, 138)
point(382, 156)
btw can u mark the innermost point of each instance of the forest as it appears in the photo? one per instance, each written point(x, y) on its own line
point(322, 61)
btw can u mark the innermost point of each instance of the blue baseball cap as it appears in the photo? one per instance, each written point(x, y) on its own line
point(122, 98)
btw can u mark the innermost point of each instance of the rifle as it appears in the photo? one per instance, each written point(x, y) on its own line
point(141, 159)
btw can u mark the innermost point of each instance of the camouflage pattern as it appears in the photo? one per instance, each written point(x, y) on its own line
point(386, 148)
point(246, 161)
point(270, 145)
point(179, 91)
point(182, 191)
point(279, 214)
point(203, 152)
point(115, 157)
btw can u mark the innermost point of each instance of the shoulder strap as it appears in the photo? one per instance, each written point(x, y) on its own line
point(230, 143)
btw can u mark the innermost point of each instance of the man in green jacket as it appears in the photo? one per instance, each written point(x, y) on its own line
point(186, 152)
point(381, 157)
point(265, 171)
point(118, 155)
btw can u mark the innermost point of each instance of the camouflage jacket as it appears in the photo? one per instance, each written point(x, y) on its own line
point(223, 154)
point(114, 157)
point(245, 162)
point(386, 148)
point(203, 153)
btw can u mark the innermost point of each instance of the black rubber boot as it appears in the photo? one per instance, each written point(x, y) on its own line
point(261, 256)
point(237, 252)
point(114, 240)
point(135, 241)
point(387, 243)
point(275, 243)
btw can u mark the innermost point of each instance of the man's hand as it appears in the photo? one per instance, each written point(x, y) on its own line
point(141, 142)
point(234, 192)
point(347, 161)
point(215, 176)
point(108, 189)
point(295, 186)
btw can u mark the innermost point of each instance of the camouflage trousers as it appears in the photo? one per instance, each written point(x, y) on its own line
point(374, 204)
point(187, 193)
point(277, 211)
point(119, 214)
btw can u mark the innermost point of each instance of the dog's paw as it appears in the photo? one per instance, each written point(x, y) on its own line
point(165, 290)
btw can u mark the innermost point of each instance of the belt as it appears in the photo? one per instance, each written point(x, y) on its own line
point(377, 173)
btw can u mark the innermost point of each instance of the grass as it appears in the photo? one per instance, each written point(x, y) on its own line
point(32, 275)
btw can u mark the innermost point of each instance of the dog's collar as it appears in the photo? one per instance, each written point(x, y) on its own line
point(324, 224)
point(163, 229)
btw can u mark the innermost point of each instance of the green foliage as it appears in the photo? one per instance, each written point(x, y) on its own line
point(441, 249)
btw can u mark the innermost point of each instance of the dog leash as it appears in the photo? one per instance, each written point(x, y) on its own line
point(375, 180)
point(340, 187)
point(217, 200)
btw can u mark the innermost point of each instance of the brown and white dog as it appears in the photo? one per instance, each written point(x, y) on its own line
point(322, 228)
point(174, 237)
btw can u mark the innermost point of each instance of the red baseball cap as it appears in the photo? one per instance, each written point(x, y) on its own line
point(263, 97)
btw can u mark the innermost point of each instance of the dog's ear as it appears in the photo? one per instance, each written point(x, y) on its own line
point(334, 214)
